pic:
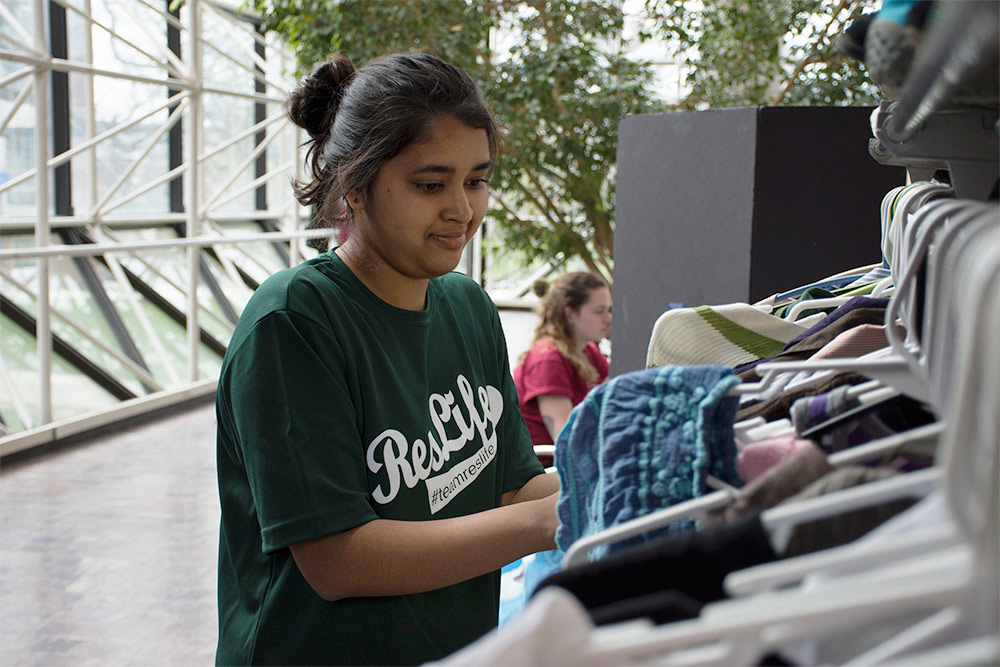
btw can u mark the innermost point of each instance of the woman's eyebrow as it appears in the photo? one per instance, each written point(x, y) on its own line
point(445, 169)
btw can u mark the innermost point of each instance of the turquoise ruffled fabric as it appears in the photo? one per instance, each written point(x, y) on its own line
point(641, 442)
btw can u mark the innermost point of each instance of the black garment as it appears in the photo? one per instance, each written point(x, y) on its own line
point(691, 563)
point(661, 607)
point(851, 42)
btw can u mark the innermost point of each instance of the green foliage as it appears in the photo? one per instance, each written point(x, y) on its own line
point(764, 52)
point(563, 80)
point(559, 96)
point(363, 29)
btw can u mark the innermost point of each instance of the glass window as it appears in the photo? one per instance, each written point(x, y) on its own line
point(73, 393)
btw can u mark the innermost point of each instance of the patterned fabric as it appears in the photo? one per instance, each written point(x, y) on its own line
point(729, 335)
point(641, 442)
point(809, 411)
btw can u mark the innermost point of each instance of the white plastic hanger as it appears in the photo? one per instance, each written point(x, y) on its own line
point(809, 304)
point(698, 507)
point(884, 288)
point(914, 196)
point(770, 429)
point(953, 584)
point(782, 573)
point(740, 632)
point(780, 521)
point(908, 351)
point(949, 244)
point(920, 230)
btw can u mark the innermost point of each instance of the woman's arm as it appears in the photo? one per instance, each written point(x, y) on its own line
point(555, 412)
point(537, 487)
point(388, 557)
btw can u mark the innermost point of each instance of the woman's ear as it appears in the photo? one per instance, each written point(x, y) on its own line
point(355, 200)
point(570, 315)
point(354, 197)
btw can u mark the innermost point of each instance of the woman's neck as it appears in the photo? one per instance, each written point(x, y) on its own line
point(395, 289)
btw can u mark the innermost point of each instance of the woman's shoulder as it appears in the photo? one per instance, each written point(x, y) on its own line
point(544, 348)
point(456, 282)
point(297, 288)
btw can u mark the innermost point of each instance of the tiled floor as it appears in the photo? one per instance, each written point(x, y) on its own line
point(108, 548)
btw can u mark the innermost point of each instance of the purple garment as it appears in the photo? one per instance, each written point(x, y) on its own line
point(811, 411)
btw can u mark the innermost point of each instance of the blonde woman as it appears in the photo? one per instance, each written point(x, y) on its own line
point(563, 362)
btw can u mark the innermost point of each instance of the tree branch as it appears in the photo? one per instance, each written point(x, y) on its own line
point(813, 55)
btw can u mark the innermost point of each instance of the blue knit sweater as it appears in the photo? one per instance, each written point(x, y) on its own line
point(644, 441)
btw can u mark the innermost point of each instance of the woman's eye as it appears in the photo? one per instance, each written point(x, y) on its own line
point(428, 187)
point(477, 183)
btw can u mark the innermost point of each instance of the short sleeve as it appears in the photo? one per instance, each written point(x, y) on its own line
point(546, 371)
point(295, 431)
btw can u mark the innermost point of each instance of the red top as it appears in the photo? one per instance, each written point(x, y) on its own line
point(546, 371)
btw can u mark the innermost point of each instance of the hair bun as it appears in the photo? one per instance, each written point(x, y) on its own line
point(540, 287)
point(314, 104)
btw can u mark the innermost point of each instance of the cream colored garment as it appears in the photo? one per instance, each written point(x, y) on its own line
point(727, 335)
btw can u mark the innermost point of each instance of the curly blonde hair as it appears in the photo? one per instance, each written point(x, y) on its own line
point(573, 290)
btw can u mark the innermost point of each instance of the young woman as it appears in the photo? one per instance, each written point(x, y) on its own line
point(374, 471)
point(564, 361)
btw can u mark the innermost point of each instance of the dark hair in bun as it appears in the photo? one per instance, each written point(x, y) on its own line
point(314, 104)
point(358, 119)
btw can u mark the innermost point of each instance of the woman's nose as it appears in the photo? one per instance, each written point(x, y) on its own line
point(459, 208)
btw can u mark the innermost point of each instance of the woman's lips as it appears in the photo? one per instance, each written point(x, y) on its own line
point(449, 242)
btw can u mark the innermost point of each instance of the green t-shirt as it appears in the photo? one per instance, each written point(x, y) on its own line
point(335, 408)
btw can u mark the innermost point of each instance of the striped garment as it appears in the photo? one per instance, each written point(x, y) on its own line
point(727, 335)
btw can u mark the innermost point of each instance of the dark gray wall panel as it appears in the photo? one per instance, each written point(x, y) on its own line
point(683, 186)
point(817, 196)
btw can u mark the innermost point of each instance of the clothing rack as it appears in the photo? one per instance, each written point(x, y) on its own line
point(947, 116)
point(957, 581)
point(953, 53)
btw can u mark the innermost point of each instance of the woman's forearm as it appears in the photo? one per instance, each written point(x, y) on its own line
point(387, 557)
